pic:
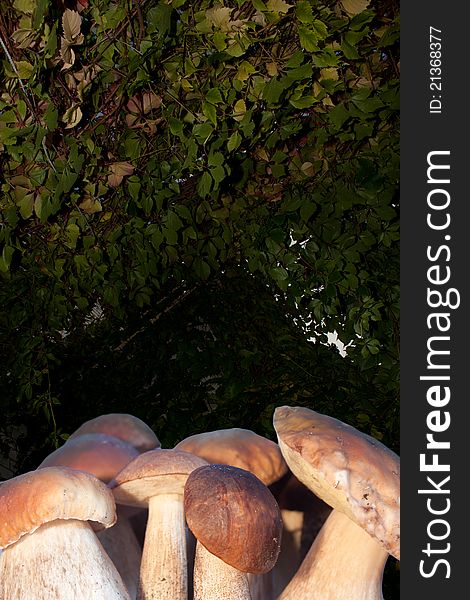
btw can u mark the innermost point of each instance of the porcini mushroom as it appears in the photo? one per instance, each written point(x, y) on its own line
point(246, 450)
point(359, 478)
point(237, 524)
point(49, 548)
point(240, 448)
point(126, 427)
point(104, 456)
point(156, 479)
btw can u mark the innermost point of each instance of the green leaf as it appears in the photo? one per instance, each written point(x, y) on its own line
point(213, 96)
point(205, 184)
point(234, 141)
point(308, 39)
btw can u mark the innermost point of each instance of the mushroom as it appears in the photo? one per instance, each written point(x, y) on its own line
point(156, 479)
point(123, 426)
point(246, 450)
point(359, 478)
point(240, 448)
point(133, 430)
point(238, 526)
point(49, 548)
point(104, 456)
point(303, 515)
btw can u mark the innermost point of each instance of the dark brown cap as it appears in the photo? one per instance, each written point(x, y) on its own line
point(351, 471)
point(38, 497)
point(240, 448)
point(97, 453)
point(234, 516)
point(123, 426)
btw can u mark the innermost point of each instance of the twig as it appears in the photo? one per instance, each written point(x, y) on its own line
point(152, 321)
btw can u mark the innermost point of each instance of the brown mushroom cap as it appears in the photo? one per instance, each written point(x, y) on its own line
point(97, 453)
point(234, 516)
point(351, 471)
point(240, 448)
point(153, 473)
point(123, 426)
point(30, 500)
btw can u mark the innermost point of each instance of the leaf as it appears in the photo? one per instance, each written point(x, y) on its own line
point(239, 110)
point(67, 54)
point(71, 23)
point(23, 38)
point(119, 170)
point(234, 141)
point(214, 96)
point(278, 6)
point(308, 39)
point(72, 117)
point(353, 7)
point(205, 184)
point(210, 112)
point(24, 69)
point(90, 205)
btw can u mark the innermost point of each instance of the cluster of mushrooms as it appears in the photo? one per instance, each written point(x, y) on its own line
point(224, 515)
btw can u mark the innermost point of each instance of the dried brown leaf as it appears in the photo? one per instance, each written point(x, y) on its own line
point(71, 23)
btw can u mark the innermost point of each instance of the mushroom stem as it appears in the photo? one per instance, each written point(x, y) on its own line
point(214, 579)
point(344, 563)
point(163, 571)
point(62, 560)
point(123, 548)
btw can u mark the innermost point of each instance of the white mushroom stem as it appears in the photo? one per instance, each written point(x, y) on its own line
point(60, 560)
point(344, 563)
point(123, 548)
point(214, 579)
point(163, 571)
point(289, 558)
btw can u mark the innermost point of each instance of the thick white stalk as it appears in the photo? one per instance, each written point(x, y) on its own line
point(344, 563)
point(59, 561)
point(214, 579)
point(163, 571)
point(123, 548)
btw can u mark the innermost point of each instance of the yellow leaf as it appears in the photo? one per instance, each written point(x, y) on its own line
point(24, 69)
point(330, 73)
point(23, 37)
point(354, 7)
point(90, 205)
point(272, 69)
point(278, 6)
point(219, 17)
point(71, 23)
point(73, 116)
point(239, 110)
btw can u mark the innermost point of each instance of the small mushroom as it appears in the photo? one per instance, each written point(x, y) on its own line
point(49, 548)
point(360, 479)
point(104, 456)
point(123, 426)
point(238, 526)
point(156, 479)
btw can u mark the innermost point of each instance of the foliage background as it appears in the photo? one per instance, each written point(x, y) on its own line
point(192, 195)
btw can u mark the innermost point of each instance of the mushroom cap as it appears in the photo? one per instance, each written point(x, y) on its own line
point(152, 473)
point(351, 471)
point(234, 516)
point(123, 426)
point(240, 448)
point(97, 453)
point(38, 497)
